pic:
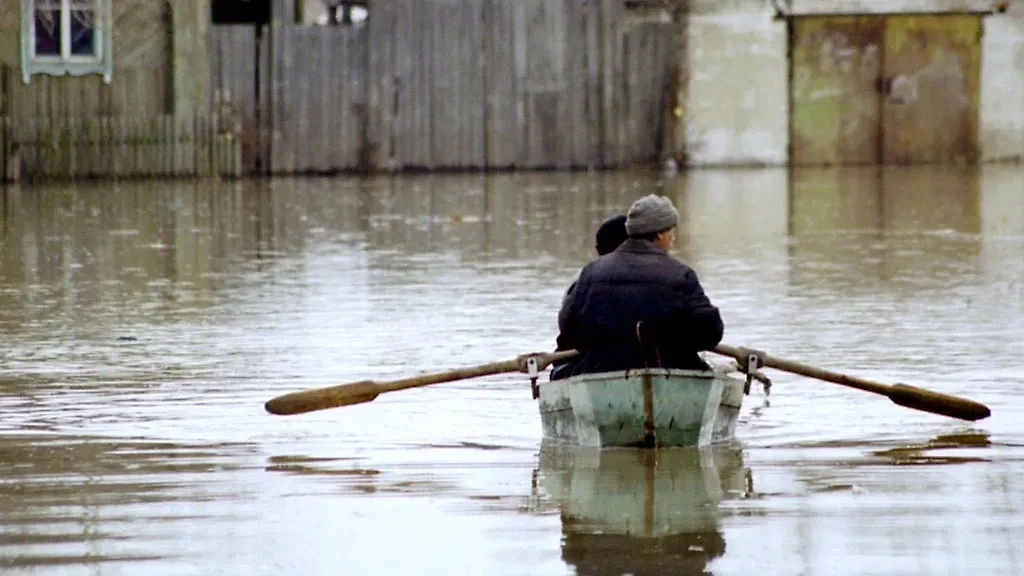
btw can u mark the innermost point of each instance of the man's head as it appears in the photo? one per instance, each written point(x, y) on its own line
point(653, 218)
point(610, 234)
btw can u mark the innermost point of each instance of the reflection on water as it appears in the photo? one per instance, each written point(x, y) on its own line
point(79, 500)
point(886, 200)
point(944, 449)
point(143, 326)
point(641, 511)
point(940, 505)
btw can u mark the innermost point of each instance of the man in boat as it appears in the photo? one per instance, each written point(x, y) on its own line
point(609, 235)
point(638, 306)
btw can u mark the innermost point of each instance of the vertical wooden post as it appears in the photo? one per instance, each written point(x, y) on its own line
point(12, 167)
point(378, 142)
point(674, 146)
point(3, 148)
point(190, 21)
point(282, 13)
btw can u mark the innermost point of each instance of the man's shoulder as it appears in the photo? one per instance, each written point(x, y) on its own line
point(682, 266)
point(596, 264)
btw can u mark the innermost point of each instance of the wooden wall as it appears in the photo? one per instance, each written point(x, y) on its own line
point(451, 84)
point(238, 54)
point(515, 83)
point(317, 108)
point(425, 84)
point(68, 127)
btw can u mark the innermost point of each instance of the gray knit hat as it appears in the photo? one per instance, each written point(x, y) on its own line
point(652, 213)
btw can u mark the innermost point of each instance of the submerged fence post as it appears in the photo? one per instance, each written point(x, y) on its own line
point(12, 164)
point(10, 153)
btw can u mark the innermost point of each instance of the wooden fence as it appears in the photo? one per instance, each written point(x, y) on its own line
point(159, 146)
point(317, 105)
point(449, 84)
point(424, 84)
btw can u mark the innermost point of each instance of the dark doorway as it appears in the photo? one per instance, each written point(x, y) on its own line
point(240, 12)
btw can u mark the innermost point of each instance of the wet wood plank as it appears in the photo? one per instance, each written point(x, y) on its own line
point(611, 77)
point(505, 123)
point(234, 89)
point(380, 85)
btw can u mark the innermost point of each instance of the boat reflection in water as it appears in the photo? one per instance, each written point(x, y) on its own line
point(640, 512)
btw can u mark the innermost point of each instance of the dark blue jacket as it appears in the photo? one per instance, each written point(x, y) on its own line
point(637, 283)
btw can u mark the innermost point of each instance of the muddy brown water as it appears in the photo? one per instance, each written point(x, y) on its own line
point(143, 325)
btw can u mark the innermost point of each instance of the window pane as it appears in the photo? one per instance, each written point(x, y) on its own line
point(47, 24)
point(83, 32)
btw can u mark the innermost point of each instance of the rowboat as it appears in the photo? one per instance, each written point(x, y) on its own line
point(631, 511)
point(642, 408)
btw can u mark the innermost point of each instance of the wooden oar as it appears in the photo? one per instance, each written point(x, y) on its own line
point(902, 394)
point(368, 390)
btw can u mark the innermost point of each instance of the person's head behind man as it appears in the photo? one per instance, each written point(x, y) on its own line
point(610, 234)
point(653, 218)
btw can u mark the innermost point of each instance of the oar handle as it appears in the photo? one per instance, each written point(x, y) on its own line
point(902, 394)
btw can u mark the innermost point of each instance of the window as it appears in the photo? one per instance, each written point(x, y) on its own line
point(66, 37)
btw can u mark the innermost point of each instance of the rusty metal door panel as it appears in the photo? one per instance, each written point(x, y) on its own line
point(835, 103)
point(930, 89)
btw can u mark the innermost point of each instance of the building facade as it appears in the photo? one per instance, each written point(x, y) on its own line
point(838, 82)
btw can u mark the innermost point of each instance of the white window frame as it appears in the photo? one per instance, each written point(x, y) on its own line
point(101, 62)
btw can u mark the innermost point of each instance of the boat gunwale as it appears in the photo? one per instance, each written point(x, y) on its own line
point(639, 373)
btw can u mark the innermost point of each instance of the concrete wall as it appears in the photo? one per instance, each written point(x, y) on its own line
point(737, 93)
point(1001, 106)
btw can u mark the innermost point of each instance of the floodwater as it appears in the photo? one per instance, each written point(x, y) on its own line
point(143, 325)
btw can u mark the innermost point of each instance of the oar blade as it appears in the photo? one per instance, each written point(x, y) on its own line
point(323, 398)
point(938, 403)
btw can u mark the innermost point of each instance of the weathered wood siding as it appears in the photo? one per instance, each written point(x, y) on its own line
point(317, 109)
point(647, 63)
point(120, 147)
point(71, 127)
point(518, 83)
point(451, 84)
point(426, 84)
point(434, 75)
point(238, 56)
